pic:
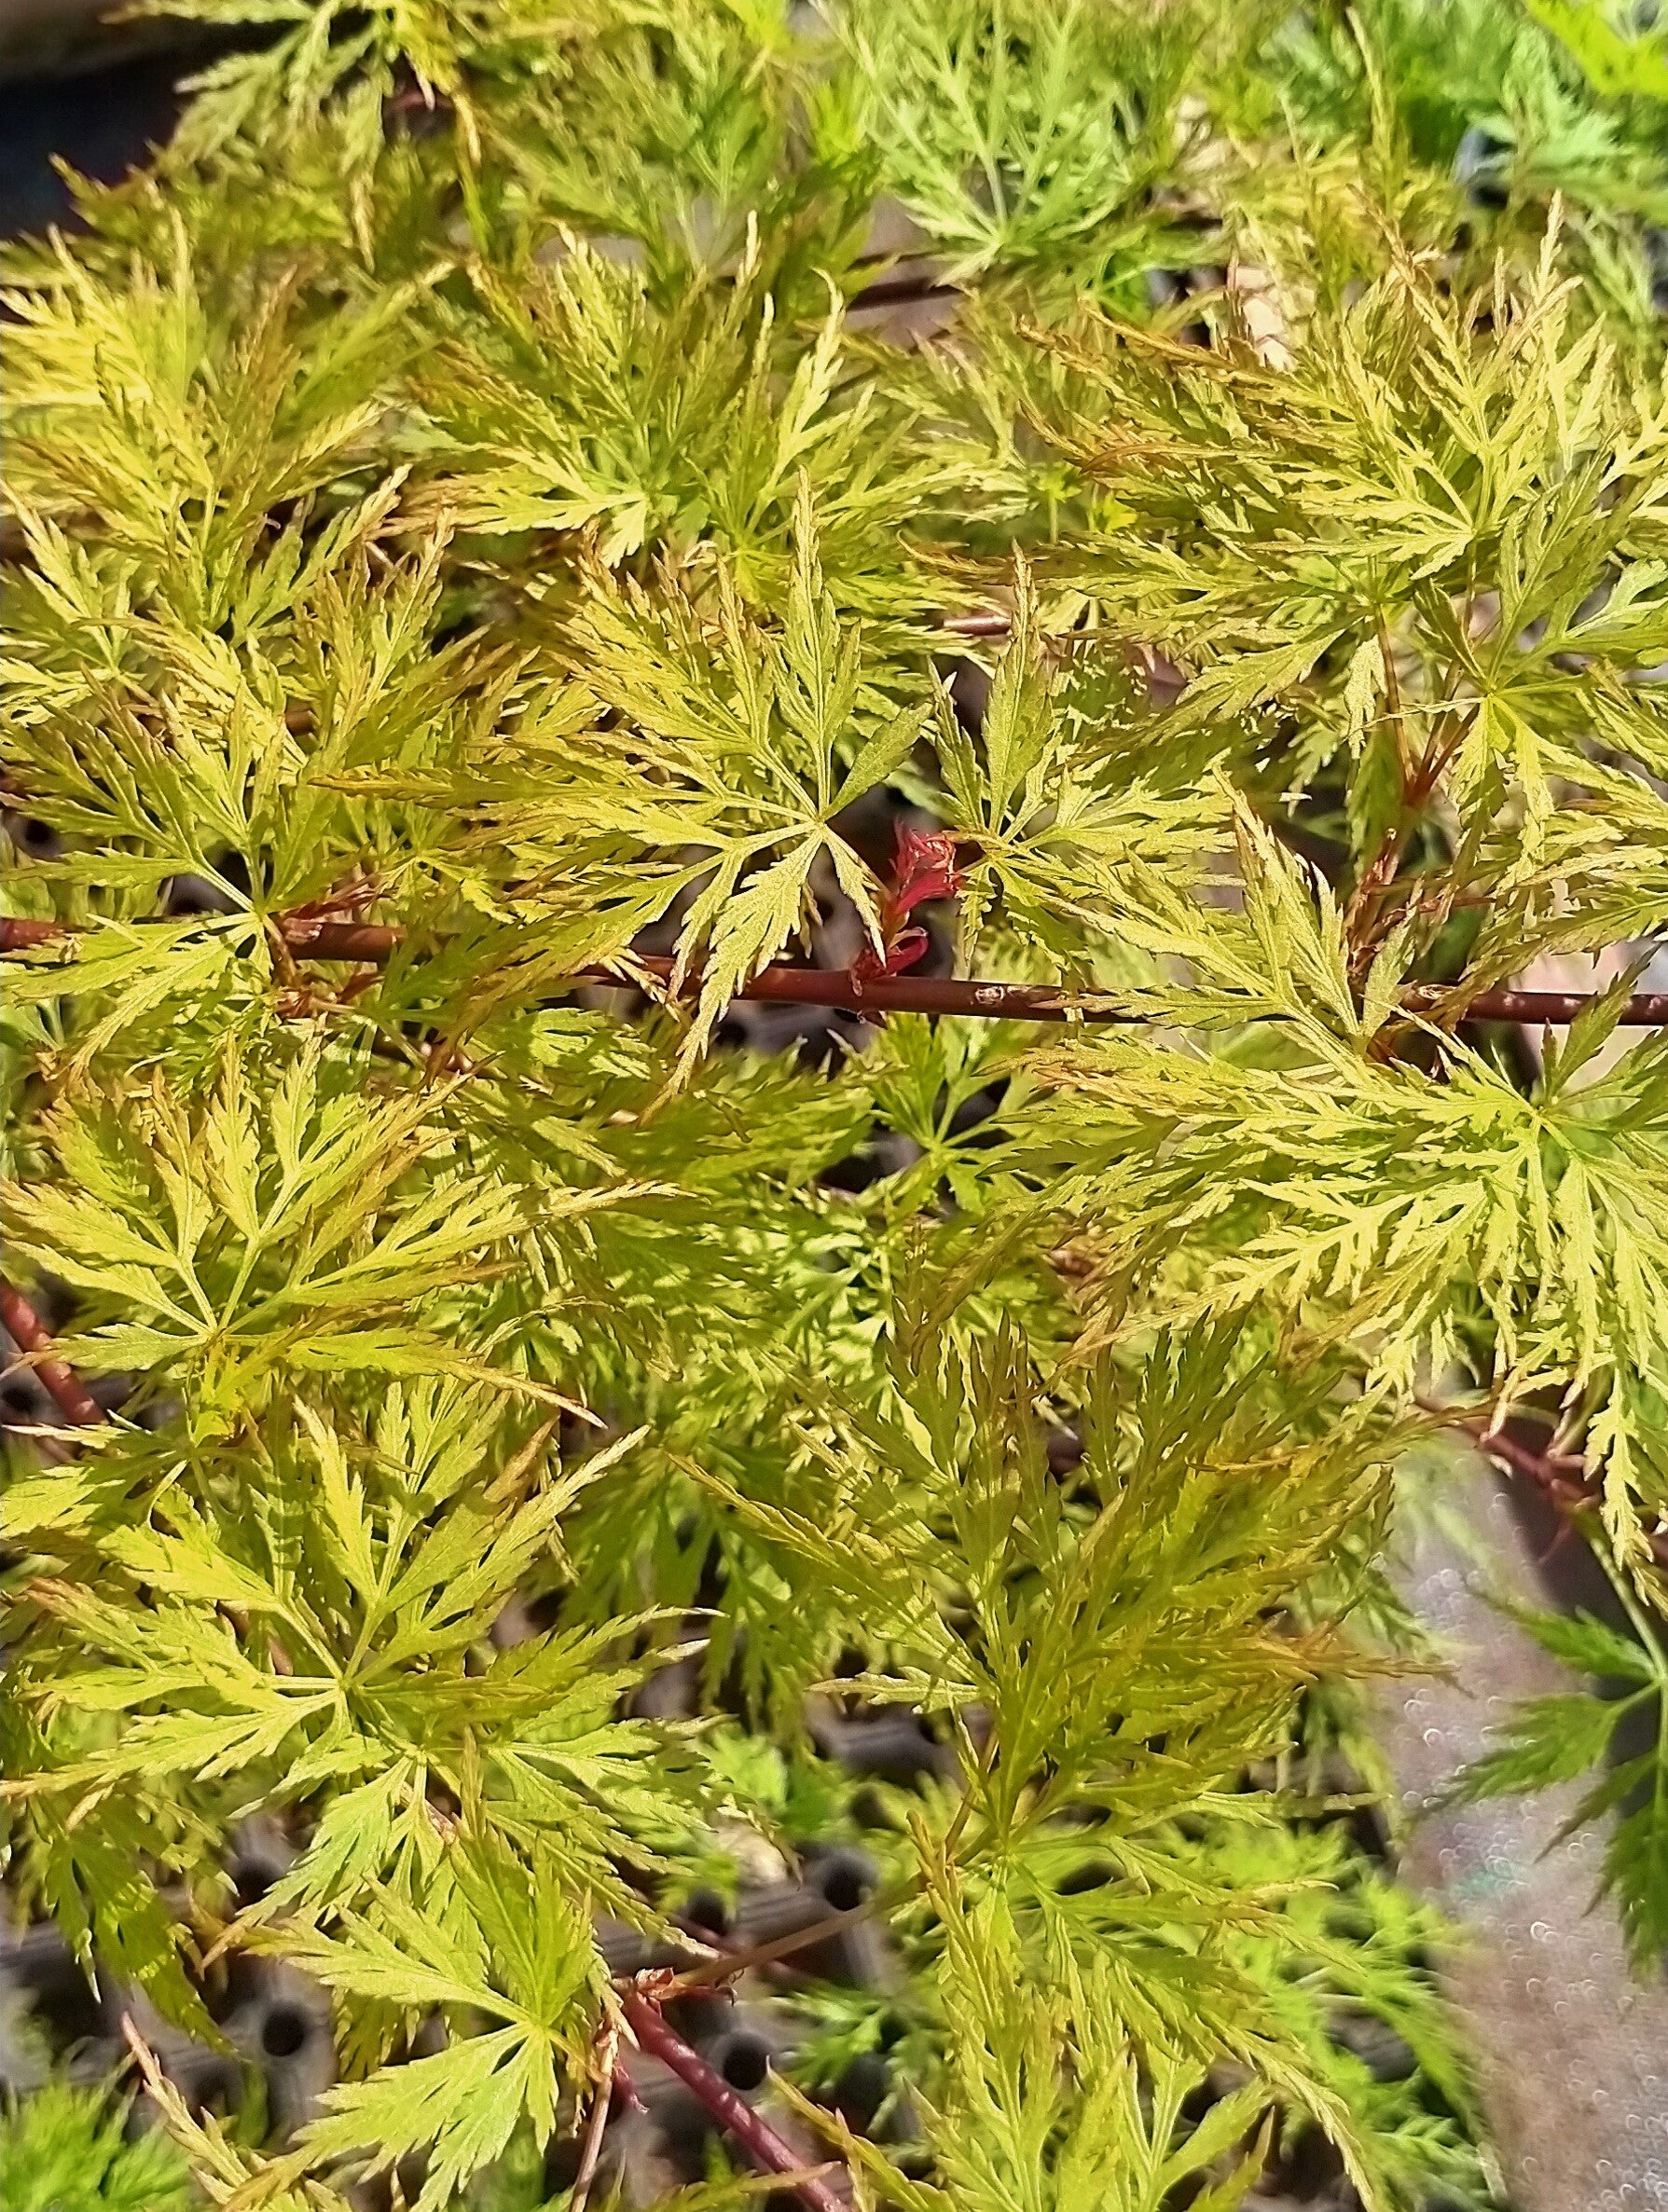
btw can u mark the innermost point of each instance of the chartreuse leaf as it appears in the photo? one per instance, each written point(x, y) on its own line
point(562, 497)
point(1616, 64)
point(1013, 2127)
point(69, 2149)
point(575, 398)
point(756, 736)
point(1016, 135)
point(523, 1957)
point(222, 2169)
point(205, 1242)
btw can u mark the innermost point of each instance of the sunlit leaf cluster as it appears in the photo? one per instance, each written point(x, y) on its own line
point(1166, 504)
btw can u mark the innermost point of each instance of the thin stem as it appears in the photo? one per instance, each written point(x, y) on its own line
point(978, 626)
point(1554, 1475)
point(1641, 1628)
point(906, 289)
point(767, 2150)
point(592, 2152)
point(724, 1965)
point(31, 1335)
point(786, 985)
point(1560, 1479)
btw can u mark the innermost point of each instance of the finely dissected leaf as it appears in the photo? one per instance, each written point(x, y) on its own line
point(577, 402)
point(1018, 133)
point(519, 527)
point(270, 1247)
point(69, 2147)
point(463, 2101)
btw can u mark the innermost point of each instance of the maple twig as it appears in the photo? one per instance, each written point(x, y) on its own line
point(31, 1335)
point(755, 2134)
point(725, 1964)
point(978, 626)
point(908, 288)
point(1561, 1479)
point(592, 2152)
point(783, 984)
point(1568, 1492)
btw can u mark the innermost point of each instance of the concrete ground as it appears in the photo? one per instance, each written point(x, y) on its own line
point(1571, 2053)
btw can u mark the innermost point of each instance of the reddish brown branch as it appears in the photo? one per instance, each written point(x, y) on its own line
point(1646, 1009)
point(767, 2150)
point(786, 985)
point(590, 2152)
point(18, 935)
point(31, 1335)
point(1561, 1479)
point(372, 942)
